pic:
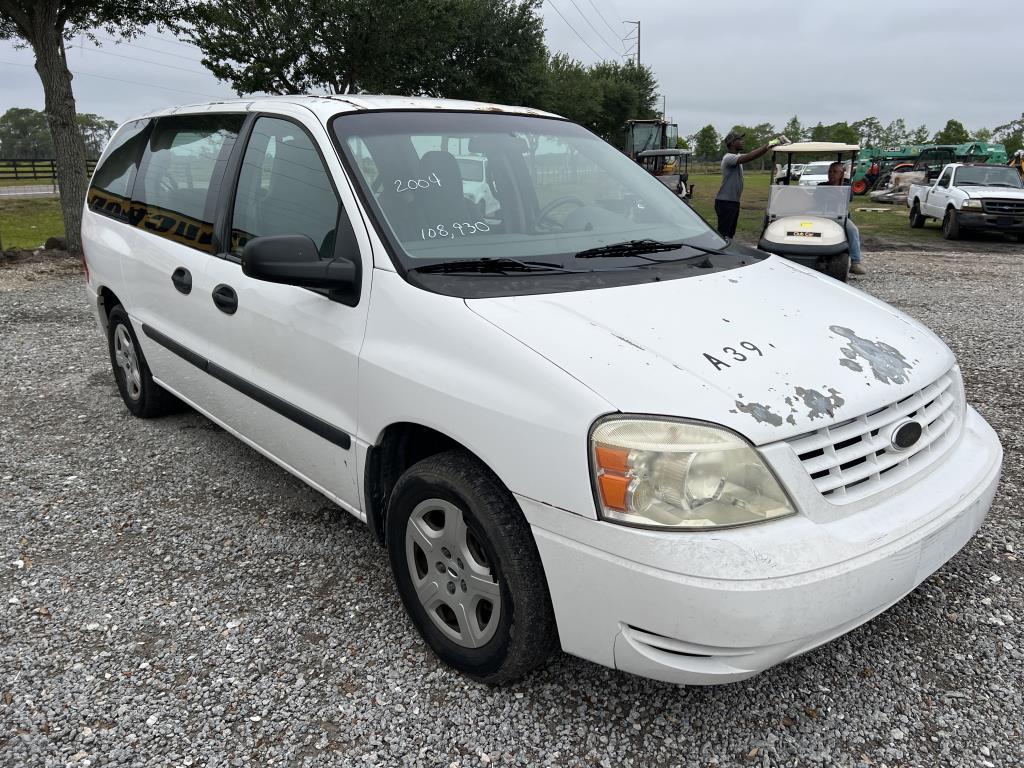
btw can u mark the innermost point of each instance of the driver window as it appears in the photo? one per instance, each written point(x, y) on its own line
point(283, 188)
point(944, 179)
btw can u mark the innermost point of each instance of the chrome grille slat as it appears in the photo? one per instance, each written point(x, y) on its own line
point(1003, 207)
point(852, 460)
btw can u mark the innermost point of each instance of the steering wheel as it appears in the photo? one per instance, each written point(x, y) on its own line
point(558, 202)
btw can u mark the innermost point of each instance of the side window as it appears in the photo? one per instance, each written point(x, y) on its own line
point(180, 176)
point(944, 180)
point(111, 187)
point(283, 188)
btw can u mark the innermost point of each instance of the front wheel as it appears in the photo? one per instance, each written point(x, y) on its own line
point(468, 570)
point(859, 187)
point(950, 225)
point(838, 267)
point(143, 396)
point(917, 219)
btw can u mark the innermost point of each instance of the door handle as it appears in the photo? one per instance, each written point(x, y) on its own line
point(225, 298)
point(182, 280)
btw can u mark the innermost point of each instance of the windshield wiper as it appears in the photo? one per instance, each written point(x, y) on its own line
point(1003, 184)
point(640, 247)
point(490, 266)
point(629, 248)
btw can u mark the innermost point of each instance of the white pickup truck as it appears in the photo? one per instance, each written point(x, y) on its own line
point(970, 197)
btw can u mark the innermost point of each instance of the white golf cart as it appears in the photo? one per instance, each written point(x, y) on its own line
point(807, 224)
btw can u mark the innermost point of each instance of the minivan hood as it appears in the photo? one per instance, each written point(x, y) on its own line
point(770, 350)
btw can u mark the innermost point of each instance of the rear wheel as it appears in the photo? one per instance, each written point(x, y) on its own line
point(950, 225)
point(917, 218)
point(838, 267)
point(142, 396)
point(468, 570)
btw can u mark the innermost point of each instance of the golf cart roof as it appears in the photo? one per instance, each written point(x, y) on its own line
point(664, 152)
point(816, 147)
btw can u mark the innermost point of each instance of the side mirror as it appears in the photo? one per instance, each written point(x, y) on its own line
point(294, 260)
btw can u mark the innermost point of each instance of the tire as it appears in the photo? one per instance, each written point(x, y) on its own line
point(456, 537)
point(917, 219)
point(950, 225)
point(142, 396)
point(859, 187)
point(838, 267)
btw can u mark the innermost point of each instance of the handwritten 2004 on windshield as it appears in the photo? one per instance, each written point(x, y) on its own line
point(456, 229)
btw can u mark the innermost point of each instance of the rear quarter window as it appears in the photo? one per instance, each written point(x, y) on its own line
point(111, 187)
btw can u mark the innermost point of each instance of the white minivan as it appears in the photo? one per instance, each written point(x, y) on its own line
point(586, 422)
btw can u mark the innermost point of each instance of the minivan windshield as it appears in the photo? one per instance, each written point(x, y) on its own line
point(560, 191)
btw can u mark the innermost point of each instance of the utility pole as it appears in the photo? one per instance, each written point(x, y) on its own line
point(637, 24)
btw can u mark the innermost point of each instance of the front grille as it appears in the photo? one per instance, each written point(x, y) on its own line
point(855, 459)
point(1003, 207)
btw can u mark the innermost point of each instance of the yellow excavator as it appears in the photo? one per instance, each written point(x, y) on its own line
point(1017, 161)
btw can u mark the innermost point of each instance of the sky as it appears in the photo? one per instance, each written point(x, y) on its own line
point(823, 60)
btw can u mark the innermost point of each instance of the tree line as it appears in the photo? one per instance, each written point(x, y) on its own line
point(24, 134)
point(706, 143)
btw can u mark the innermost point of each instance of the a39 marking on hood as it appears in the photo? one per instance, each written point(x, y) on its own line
point(887, 363)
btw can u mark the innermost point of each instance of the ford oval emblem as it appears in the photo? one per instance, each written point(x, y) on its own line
point(906, 434)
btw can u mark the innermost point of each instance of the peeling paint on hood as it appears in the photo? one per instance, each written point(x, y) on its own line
point(887, 363)
point(661, 348)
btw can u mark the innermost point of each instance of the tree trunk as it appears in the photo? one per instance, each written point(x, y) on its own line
point(69, 147)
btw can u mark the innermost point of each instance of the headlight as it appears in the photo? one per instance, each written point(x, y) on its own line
point(971, 204)
point(680, 475)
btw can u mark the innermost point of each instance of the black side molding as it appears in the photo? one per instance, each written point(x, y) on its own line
point(291, 412)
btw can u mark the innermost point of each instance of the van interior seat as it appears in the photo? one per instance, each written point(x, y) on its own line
point(444, 204)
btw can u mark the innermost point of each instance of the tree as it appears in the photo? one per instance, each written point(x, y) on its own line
point(919, 135)
point(96, 132)
point(481, 49)
point(1010, 135)
point(25, 134)
point(953, 133)
point(869, 130)
point(843, 133)
point(895, 133)
point(818, 133)
point(982, 134)
point(707, 143)
point(793, 130)
point(44, 25)
point(757, 136)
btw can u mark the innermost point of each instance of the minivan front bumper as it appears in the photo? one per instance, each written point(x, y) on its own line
point(718, 607)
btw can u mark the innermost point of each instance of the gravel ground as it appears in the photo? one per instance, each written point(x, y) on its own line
point(169, 597)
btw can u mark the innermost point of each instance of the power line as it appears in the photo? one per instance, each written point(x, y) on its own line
point(120, 80)
point(555, 7)
point(140, 47)
point(144, 61)
point(614, 33)
point(168, 40)
point(599, 36)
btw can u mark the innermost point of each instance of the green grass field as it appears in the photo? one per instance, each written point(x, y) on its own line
point(27, 222)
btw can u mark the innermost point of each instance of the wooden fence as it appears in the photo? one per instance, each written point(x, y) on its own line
point(43, 170)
